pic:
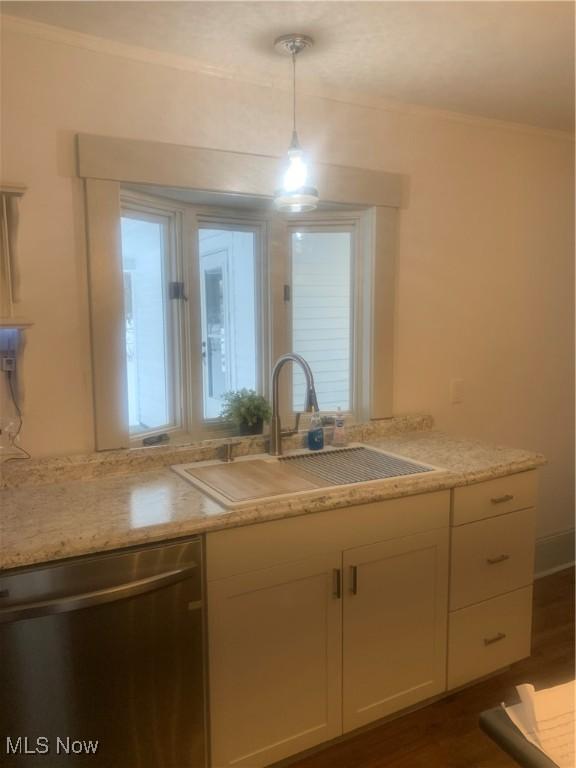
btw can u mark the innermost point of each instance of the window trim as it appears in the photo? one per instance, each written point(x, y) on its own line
point(232, 220)
point(333, 224)
point(185, 222)
point(362, 223)
point(178, 353)
point(106, 163)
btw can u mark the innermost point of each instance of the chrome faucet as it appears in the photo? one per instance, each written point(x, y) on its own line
point(310, 405)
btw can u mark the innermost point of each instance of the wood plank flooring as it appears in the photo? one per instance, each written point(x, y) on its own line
point(446, 734)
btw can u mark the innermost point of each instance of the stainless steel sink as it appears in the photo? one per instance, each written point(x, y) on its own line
point(263, 477)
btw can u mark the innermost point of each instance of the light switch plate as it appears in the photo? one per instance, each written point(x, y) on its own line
point(457, 391)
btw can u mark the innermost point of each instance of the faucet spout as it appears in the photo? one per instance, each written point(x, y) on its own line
point(310, 405)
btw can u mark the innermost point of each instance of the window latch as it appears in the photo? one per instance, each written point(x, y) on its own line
point(176, 291)
point(287, 293)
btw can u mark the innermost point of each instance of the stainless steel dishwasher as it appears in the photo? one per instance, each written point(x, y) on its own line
point(106, 649)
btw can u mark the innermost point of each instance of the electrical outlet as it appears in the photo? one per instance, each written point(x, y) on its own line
point(457, 391)
point(7, 363)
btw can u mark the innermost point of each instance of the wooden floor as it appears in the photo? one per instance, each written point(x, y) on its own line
point(446, 734)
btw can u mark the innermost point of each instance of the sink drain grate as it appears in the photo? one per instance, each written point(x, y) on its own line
point(353, 465)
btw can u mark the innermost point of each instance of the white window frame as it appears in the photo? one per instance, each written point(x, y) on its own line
point(349, 228)
point(185, 221)
point(274, 315)
point(155, 208)
point(196, 218)
point(358, 224)
point(107, 164)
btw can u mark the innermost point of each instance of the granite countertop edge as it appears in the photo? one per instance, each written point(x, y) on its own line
point(44, 544)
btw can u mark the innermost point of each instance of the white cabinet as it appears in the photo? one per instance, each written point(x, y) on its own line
point(322, 623)
point(494, 497)
point(275, 661)
point(492, 556)
point(492, 569)
point(395, 612)
point(489, 636)
point(280, 606)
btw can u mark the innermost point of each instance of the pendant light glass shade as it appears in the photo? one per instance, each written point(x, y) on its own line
point(294, 194)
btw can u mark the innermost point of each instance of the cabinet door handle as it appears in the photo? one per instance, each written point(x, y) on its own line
point(498, 559)
point(502, 499)
point(337, 583)
point(495, 639)
point(354, 579)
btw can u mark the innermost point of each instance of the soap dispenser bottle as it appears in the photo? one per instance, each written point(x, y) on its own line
point(315, 433)
point(339, 436)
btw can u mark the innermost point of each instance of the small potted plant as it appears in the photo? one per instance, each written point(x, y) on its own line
point(247, 410)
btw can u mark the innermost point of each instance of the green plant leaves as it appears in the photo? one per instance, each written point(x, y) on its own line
point(245, 406)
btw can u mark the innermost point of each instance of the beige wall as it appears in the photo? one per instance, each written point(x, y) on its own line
point(485, 274)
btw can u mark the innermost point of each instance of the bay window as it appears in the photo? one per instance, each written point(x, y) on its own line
point(196, 287)
point(212, 295)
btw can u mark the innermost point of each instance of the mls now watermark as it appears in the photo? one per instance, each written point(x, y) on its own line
point(42, 745)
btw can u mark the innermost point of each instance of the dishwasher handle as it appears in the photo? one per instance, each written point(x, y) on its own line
point(98, 597)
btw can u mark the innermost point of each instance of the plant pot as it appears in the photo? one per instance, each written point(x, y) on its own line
point(251, 429)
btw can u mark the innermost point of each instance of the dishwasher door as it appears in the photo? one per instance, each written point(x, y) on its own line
point(106, 649)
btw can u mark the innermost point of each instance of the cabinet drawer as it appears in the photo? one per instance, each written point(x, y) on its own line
point(491, 557)
point(494, 497)
point(486, 637)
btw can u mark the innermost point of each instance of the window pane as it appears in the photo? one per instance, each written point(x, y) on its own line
point(144, 264)
point(228, 304)
point(322, 316)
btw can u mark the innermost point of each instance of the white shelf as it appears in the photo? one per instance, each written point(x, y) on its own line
point(14, 322)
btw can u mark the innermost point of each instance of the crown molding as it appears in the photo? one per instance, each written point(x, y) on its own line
point(310, 88)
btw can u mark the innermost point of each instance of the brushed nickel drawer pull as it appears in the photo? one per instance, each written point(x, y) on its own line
point(337, 583)
point(502, 499)
point(354, 584)
point(498, 559)
point(495, 639)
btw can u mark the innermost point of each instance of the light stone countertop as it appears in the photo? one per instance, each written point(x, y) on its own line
point(41, 523)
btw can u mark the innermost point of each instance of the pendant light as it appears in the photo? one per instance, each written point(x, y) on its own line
point(294, 195)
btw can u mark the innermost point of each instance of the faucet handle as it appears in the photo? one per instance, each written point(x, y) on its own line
point(287, 432)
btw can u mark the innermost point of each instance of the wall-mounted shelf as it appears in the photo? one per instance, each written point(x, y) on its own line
point(12, 189)
point(15, 322)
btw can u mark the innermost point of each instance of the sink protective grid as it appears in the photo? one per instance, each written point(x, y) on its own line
point(353, 465)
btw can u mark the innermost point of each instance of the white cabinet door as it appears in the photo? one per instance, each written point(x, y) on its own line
point(395, 614)
point(275, 661)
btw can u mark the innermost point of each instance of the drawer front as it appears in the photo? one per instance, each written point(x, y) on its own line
point(494, 497)
point(491, 557)
point(486, 637)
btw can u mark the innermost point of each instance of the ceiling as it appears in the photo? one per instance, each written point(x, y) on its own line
point(506, 60)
